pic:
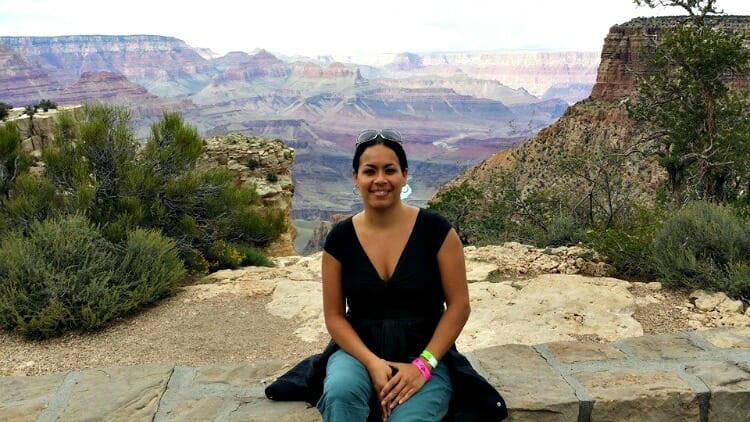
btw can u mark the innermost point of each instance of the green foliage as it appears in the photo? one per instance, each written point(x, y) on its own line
point(628, 245)
point(461, 205)
point(699, 128)
point(704, 246)
point(65, 275)
point(253, 164)
point(498, 211)
point(149, 267)
point(222, 255)
point(272, 178)
point(33, 199)
point(4, 110)
point(254, 257)
point(46, 105)
point(564, 231)
point(13, 160)
point(97, 166)
point(173, 147)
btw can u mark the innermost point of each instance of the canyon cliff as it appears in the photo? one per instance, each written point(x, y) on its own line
point(454, 109)
point(598, 124)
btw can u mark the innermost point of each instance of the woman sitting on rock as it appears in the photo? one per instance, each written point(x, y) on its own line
point(395, 300)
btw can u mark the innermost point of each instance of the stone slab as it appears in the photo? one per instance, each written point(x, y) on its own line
point(639, 396)
point(200, 409)
point(571, 352)
point(730, 390)
point(726, 338)
point(532, 389)
point(237, 375)
point(665, 347)
point(121, 393)
point(23, 398)
point(268, 411)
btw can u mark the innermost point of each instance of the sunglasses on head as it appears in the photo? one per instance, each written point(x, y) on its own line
point(387, 134)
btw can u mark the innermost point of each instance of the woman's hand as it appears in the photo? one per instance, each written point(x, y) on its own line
point(380, 373)
point(402, 386)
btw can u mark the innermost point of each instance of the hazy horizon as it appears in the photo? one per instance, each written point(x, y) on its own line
point(333, 28)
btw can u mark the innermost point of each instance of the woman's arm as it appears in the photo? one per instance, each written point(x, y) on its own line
point(453, 278)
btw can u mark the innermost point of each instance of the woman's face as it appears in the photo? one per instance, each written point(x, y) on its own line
point(379, 177)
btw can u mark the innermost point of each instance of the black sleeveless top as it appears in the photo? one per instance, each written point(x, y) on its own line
point(395, 318)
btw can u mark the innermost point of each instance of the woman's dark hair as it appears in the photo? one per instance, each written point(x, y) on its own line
point(395, 146)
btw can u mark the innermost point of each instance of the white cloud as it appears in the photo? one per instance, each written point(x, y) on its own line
point(339, 27)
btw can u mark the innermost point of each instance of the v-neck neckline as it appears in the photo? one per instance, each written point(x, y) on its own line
point(400, 257)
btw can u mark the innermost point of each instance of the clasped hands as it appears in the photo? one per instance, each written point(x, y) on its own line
point(394, 382)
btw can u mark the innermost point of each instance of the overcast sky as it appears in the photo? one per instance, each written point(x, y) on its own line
point(341, 28)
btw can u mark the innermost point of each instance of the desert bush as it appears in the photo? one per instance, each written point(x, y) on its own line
point(703, 246)
point(222, 255)
point(98, 170)
point(4, 110)
point(46, 105)
point(254, 257)
point(33, 199)
point(65, 275)
point(13, 160)
point(564, 231)
point(150, 267)
point(628, 246)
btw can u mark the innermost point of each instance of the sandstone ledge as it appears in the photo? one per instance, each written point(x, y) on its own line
point(698, 375)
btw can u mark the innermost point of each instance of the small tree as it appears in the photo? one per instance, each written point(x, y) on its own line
point(13, 161)
point(700, 129)
point(4, 109)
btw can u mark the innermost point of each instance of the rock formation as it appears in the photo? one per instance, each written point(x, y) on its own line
point(519, 295)
point(599, 124)
point(623, 54)
point(163, 65)
point(114, 88)
point(265, 164)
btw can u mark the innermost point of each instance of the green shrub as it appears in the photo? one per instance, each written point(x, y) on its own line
point(703, 246)
point(65, 275)
point(272, 178)
point(13, 160)
point(4, 110)
point(222, 255)
point(564, 231)
point(254, 257)
point(46, 105)
point(195, 262)
point(628, 247)
point(150, 267)
point(97, 165)
point(253, 164)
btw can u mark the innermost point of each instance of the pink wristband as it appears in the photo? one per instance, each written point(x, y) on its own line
point(422, 368)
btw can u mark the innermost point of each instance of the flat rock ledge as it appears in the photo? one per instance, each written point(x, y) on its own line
point(688, 376)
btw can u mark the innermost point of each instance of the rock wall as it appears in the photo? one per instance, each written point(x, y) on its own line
point(39, 131)
point(624, 47)
point(599, 124)
point(264, 163)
